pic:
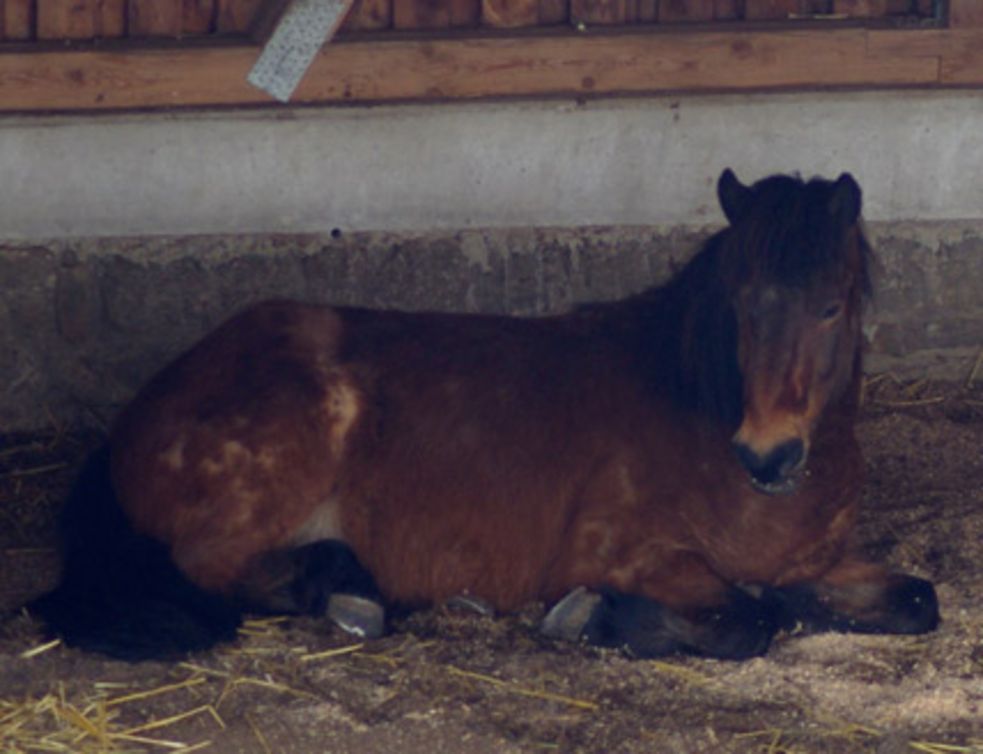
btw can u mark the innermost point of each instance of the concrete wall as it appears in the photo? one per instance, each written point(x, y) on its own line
point(129, 236)
point(615, 162)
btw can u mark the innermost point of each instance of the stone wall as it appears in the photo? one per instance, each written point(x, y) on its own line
point(84, 322)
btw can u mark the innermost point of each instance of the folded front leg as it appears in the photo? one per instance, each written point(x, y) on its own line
point(739, 628)
point(858, 597)
point(696, 612)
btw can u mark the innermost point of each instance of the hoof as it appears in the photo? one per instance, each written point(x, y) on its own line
point(358, 616)
point(471, 604)
point(568, 617)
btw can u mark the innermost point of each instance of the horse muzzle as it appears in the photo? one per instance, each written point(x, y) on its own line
point(777, 470)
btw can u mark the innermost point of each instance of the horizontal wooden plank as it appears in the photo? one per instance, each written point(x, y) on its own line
point(405, 70)
point(629, 63)
point(912, 43)
point(964, 68)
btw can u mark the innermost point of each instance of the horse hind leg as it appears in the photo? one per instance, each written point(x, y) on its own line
point(320, 578)
point(858, 597)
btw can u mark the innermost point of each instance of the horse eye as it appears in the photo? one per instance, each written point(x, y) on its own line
point(832, 311)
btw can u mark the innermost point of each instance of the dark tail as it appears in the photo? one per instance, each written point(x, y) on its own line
point(120, 592)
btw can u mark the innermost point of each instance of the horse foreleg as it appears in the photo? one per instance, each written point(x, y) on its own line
point(861, 597)
point(694, 611)
point(738, 628)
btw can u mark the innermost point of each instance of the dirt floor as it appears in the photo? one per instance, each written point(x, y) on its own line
point(448, 681)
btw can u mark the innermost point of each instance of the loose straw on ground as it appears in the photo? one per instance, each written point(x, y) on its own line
point(514, 688)
point(975, 369)
point(27, 654)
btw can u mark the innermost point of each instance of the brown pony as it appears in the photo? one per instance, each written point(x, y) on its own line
point(674, 471)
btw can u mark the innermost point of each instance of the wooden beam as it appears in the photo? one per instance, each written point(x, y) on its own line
point(414, 70)
point(922, 43)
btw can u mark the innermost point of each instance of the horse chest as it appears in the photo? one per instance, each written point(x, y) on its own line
point(757, 538)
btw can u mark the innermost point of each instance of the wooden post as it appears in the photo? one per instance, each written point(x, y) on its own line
point(552, 12)
point(602, 12)
point(965, 13)
point(61, 20)
point(421, 14)
point(236, 16)
point(155, 18)
point(18, 19)
point(672, 11)
point(110, 18)
point(726, 10)
point(510, 13)
point(197, 16)
point(770, 9)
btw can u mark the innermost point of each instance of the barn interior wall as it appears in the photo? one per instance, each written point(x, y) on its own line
point(126, 237)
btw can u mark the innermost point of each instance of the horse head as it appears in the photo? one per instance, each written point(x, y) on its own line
point(795, 264)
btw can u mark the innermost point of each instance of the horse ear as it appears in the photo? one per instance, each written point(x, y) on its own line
point(734, 196)
point(845, 201)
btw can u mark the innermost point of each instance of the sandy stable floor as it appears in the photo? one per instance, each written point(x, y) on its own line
point(447, 681)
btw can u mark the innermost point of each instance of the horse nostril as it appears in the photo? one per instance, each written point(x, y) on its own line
point(748, 458)
point(793, 453)
point(776, 466)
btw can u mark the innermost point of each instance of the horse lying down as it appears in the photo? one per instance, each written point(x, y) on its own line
point(676, 471)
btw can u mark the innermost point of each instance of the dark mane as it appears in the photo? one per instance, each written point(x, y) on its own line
point(684, 336)
point(697, 359)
